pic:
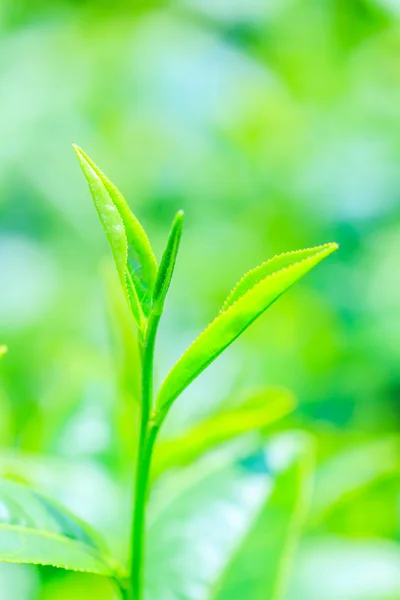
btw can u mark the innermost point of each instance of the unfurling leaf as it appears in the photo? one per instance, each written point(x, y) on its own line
point(133, 255)
point(249, 299)
point(35, 530)
point(167, 264)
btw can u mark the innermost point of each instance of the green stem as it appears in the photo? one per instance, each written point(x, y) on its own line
point(145, 450)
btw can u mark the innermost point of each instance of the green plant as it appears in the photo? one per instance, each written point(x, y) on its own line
point(39, 531)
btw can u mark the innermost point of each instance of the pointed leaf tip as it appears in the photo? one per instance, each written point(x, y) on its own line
point(280, 262)
point(254, 293)
point(133, 255)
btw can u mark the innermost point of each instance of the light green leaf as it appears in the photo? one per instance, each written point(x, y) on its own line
point(134, 258)
point(96, 493)
point(201, 519)
point(167, 264)
point(255, 413)
point(258, 568)
point(195, 518)
point(235, 318)
point(347, 474)
point(3, 350)
point(35, 530)
point(275, 264)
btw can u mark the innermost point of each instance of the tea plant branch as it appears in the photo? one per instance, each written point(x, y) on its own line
point(148, 429)
point(53, 536)
point(146, 285)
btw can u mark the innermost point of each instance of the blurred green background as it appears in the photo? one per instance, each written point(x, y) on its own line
point(275, 125)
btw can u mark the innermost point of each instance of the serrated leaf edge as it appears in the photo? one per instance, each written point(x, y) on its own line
point(319, 248)
point(114, 569)
point(323, 249)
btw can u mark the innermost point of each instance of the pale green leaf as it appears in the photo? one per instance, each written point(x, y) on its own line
point(95, 492)
point(200, 518)
point(232, 321)
point(3, 350)
point(130, 246)
point(35, 530)
point(196, 517)
point(167, 264)
point(275, 264)
point(258, 568)
point(348, 473)
point(258, 411)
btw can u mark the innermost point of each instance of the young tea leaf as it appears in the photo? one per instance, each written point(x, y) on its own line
point(241, 310)
point(255, 413)
point(134, 258)
point(277, 263)
point(167, 264)
point(35, 530)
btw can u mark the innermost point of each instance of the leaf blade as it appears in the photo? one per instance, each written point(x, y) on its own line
point(230, 323)
point(258, 568)
point(199, 518)
point(20, 545)
point(34, 530)
point(369, 462)
point(255, 413)
point(193, 509)
point(130, 245)
point(267, 268)
point(109, 215)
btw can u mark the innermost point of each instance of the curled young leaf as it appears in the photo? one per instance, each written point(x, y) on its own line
point(35, 530)
point(133, 255)
point(249, 301)
point(167, 264)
